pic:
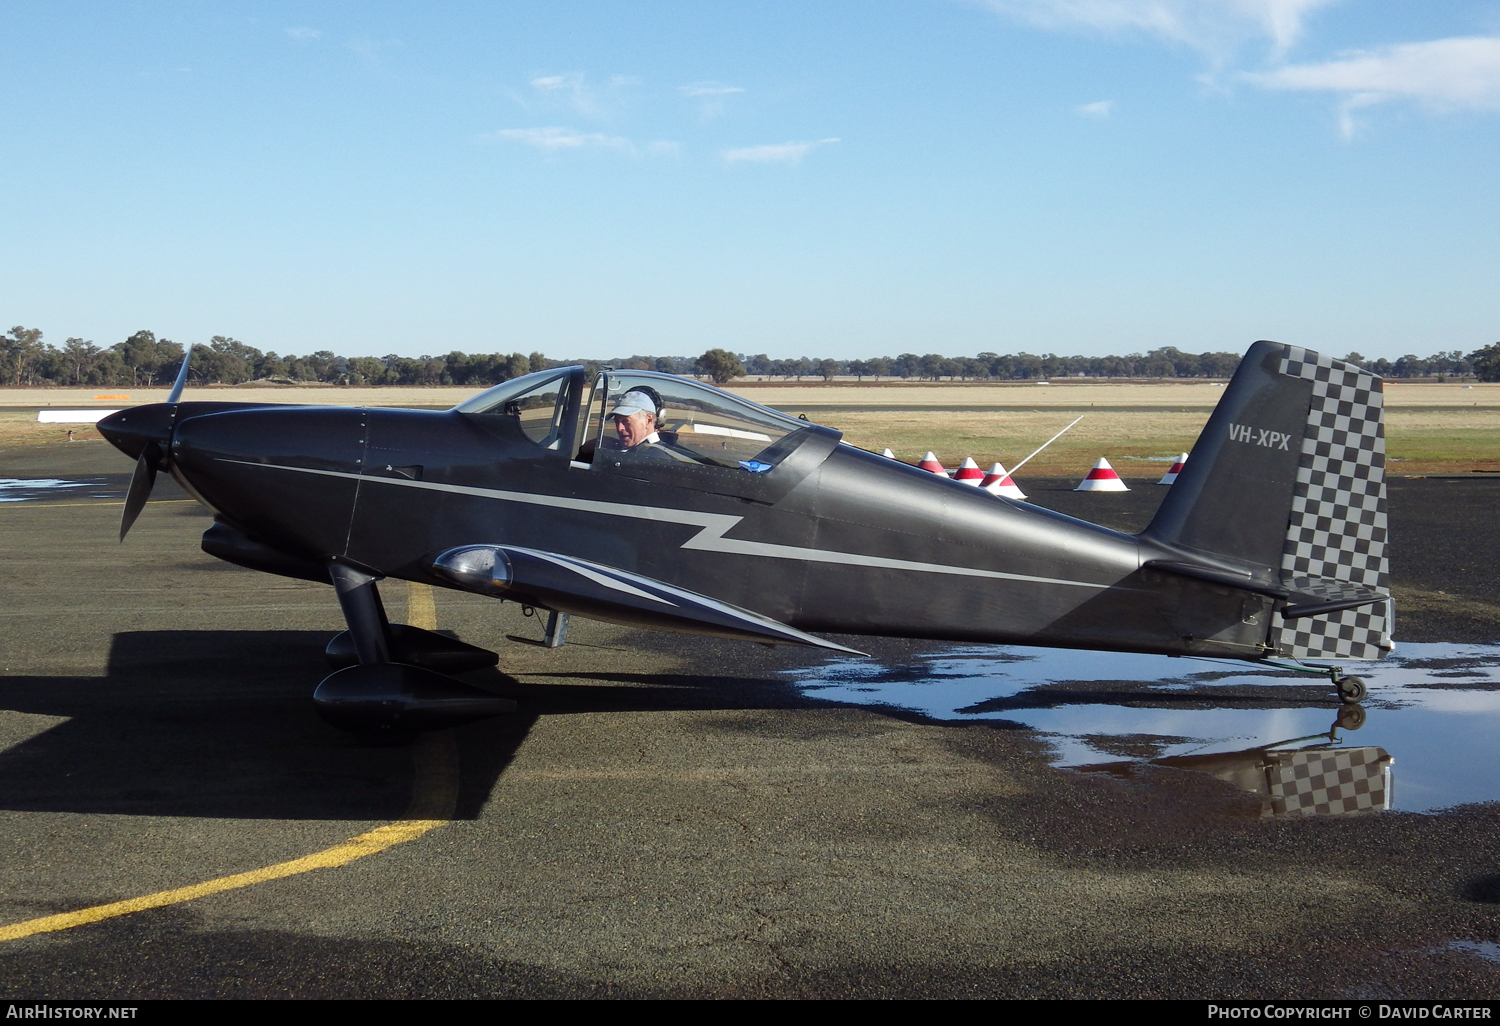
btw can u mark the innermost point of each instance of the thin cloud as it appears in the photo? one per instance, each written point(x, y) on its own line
point(304, 35)
point(710, 96)
point(558, 140)
point(1441, 75)
point(573, 89)
point(573, 82)
point(1214, 27)
point(776, 153)
point(1098, 109)
point(1444, 74)
point(709, 89)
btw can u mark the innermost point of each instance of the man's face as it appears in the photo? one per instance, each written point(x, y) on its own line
point(635, 428)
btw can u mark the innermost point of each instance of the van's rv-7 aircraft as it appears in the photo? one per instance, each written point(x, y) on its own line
point(1271, 544)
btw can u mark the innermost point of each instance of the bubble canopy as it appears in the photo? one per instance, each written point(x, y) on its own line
point(713, 426)
point(709, 426)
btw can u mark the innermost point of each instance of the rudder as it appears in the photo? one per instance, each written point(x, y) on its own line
point(1337, 530)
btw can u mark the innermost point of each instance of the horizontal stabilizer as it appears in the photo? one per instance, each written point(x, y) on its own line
point(1304, 596)
point(566, 584)
point(1314, 596)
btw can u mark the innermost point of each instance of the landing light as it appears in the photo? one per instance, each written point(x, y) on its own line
point(480, 568)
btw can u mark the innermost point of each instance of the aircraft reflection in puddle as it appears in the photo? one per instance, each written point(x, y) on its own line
point(1324, 779)
point(1437, 707)
point(13, 489)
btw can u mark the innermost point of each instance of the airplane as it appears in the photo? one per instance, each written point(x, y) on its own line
point(1322, 779)
point(740, 521)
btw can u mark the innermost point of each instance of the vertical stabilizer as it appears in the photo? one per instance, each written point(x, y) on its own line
point(1287, 482)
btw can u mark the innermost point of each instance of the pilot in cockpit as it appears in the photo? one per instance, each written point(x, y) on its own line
point(637, 420)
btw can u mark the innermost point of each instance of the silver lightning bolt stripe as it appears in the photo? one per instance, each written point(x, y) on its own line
point(601, 574)
point(585, 570)
point(710, 539)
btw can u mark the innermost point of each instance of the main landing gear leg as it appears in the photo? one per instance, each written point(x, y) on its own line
point(364, 612)
point(372, 638)
point(385, 702)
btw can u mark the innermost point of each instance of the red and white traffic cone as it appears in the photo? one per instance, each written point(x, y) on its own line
point(930, 463)
point(1171, 475)
point(998, 482)
point(969, 472)
point(1102, 479)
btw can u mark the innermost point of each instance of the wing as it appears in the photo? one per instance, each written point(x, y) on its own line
point(566, 584)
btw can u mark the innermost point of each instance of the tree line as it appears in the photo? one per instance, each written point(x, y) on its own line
point(1166, 362)
point(26, 358)
point(143, 359)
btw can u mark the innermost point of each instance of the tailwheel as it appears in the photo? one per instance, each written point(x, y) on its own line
point(1351, 690)
point(1350, 717)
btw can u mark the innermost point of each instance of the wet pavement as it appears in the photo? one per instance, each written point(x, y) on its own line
point(37, 489)
point(1434, 708)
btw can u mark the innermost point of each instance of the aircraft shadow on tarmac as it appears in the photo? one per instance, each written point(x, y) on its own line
point(221, 724)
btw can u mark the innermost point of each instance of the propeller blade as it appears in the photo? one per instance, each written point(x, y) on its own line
point(140, 486)
point(187, 358)
point(144, 478)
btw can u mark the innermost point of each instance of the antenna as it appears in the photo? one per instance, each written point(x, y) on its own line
point(1044, 445)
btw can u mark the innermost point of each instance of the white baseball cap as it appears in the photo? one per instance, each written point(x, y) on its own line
point(633, 402)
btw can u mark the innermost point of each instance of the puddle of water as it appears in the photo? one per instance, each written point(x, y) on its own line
point(1434, 708)
point(1487, 950)
point(23, 489)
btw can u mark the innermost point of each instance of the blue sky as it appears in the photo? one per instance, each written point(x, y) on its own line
point(831, 179)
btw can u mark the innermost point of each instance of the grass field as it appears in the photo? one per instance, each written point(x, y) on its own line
point(1429, 428)
point(1457, 441)
point(19, 427)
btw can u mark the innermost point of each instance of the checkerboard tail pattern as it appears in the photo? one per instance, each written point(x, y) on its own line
point(1329, 782)
point(1337, 531)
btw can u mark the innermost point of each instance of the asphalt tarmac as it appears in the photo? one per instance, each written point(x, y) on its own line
point(663, 816)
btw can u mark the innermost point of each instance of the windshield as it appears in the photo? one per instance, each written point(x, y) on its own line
point(538, 403)
point(491, 399)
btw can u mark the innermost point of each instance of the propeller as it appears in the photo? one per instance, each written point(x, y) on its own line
point(152, 456)
point(141, 483)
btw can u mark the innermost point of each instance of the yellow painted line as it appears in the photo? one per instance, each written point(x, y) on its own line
point(434, 799)
point(56, 505)
point(421, 610)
